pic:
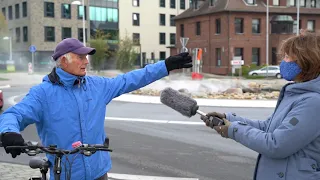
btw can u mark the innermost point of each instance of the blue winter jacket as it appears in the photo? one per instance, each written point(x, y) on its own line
point(288, 142)
point(66, 108)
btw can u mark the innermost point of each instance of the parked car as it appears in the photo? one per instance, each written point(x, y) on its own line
point(1, 99)
point(272, 71)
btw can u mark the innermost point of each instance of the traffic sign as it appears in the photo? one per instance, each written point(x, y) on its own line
point(237, 62)
point(32, 48)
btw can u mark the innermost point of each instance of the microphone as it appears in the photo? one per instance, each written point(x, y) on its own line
point(184, 104)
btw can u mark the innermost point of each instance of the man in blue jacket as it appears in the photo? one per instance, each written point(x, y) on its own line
point(69, 106)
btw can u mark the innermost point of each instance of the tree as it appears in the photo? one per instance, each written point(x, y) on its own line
point(100, 42)
point(126, 54)
point(3, 33)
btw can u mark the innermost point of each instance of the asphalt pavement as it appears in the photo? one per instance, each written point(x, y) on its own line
point(146, 143)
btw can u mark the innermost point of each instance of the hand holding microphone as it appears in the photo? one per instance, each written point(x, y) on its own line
point(187, 106)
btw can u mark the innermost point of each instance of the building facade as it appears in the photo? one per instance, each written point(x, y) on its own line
point(150, 24)
point(45, 23)
point(225, 29)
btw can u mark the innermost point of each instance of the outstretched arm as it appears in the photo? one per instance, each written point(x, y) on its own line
point(24, 113)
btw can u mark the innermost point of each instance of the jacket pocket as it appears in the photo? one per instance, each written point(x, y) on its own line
point(307, 164)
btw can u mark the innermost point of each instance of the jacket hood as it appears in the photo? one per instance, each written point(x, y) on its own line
point(63, 78)
point(305, 87)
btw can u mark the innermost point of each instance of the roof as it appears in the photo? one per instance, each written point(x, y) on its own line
point(241, 6)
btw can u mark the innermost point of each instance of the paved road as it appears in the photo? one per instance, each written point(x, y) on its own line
point(144, 145)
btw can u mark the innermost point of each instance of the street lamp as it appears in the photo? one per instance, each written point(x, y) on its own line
point(83, 24)
point(9, 38)
point(83, 20)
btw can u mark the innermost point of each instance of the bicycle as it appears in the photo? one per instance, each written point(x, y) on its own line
point(32, 148)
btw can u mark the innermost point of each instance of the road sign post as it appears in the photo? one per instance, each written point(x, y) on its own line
point(237, 63)
point(32, 49)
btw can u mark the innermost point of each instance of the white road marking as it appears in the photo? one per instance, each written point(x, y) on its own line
point(153, 121)
point(5, 86)
point(139, 177)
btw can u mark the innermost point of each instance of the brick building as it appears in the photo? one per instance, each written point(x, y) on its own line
point(45, 23)
point(228, 28)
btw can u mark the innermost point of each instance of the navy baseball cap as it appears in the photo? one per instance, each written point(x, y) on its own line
point(72, 45)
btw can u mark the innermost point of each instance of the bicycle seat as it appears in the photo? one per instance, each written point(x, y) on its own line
point(39, 163)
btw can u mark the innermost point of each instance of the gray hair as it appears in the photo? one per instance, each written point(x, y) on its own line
point(67, 56)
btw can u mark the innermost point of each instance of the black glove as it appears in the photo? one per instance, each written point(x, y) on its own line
point(213, 119)
point(12, 139)
point(182, 60)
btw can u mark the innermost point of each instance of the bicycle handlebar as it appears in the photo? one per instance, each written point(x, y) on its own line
point(32, 148)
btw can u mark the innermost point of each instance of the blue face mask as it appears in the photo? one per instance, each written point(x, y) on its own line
point(289, 70)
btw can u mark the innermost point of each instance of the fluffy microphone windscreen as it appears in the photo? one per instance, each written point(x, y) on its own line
point(179, 102)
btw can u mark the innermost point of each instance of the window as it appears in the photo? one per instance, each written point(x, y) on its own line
point(162, 55)
point(239, 25)
point(24, 9)
point(181, 30)
point(212, 2)
point(144, 54)
point(311, 25)
point(25, 34)
point(313, 3)
point(4, 12)
point(162, 19)
point(136, 19)
point(256, 56)
point(172, 38)
point(218, 26)
point(182, 4)
point(302, 3)
point(152, 55)
point(238, 52)
point(66, 33)
point(66, 11)
point(218, 56)
point(136, 3)
point(162, 3)
point(48, 9)
point(162, 37)
point(292, 3)
point(18, 34)
point(198, 29)
point(49, 34)
point(10, 12)
point(294, 30)
point(255, 26)
point(81, 12)
point(17, 11)
point(172, 23)
point(274, 56)
point(276, 3)
point(103, 14)
point(80, 34)
point(136, 38)
point(251, 2)
point(173, 4)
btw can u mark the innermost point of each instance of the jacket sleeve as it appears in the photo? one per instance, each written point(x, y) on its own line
point(24, 113)
point(133, 80)
point(299, 128)
point(259, 124)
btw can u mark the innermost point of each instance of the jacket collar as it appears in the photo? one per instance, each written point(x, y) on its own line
point(61, 77)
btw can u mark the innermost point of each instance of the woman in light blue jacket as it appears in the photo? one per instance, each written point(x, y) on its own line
point(288, 142)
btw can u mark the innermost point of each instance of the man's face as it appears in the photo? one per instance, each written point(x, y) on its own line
point(76, 65)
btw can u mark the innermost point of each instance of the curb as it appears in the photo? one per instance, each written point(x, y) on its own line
point(202, 102)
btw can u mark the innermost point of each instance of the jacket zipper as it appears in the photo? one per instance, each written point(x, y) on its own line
point(80, 134)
